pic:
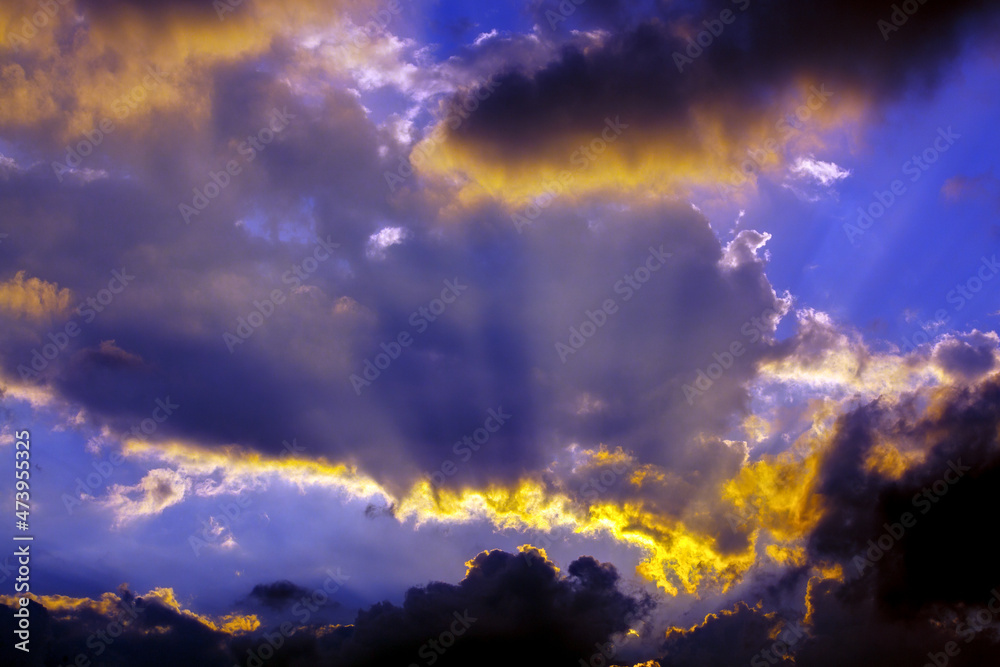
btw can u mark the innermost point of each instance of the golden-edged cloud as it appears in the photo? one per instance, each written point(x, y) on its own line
point(711, 146)
point(113, 605)
point(33, 298)
point(91, 62)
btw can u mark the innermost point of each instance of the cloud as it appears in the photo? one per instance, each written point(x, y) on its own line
point(899, 557)
point(957, 457)
point(157, 490)
point(32, 298)
point(695, 114)
point(119, 629)
point(732, 636)
point(508, 322)
point(963, 187)
point(824, 355)
point(109, 355)
point(509, 607)
point(278, 594)
point(824, 173)
point(128, 61)
point(762, 485)
point(383, 239)
point(969, 356)
point(515, 608)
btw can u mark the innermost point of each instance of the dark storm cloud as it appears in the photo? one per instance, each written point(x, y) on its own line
point(277, 594)
point(765, 48)
point(849, 626)
point(509, 608)
point(911, 584)
point(946, 556)
point(523, 611)
point(495, 347)
point(918, 551)
point(132, 631)
point(731, 637)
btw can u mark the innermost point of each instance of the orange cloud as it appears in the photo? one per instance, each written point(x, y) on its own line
point(123, 62)
point(32, 298)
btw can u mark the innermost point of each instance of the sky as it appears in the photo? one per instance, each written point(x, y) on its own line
point(412, 332)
